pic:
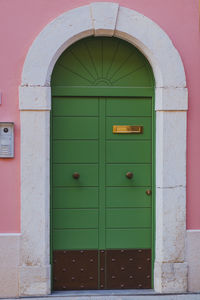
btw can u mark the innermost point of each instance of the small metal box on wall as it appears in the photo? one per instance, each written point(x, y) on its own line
point(6, 139)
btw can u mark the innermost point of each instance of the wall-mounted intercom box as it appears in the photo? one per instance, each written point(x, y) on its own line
point(6, 139)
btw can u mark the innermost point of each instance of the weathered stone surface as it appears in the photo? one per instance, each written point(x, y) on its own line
point(34, 280)
point(170, 277)
point(170, 224)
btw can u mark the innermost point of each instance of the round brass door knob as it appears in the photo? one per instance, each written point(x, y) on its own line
point(129, 175)
point(148, 192)
point(76, 175)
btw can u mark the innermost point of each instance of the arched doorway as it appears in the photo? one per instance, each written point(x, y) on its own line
point(102, 150)
point(171, 104)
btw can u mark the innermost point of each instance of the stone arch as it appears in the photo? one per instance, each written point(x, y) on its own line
point(103, 19)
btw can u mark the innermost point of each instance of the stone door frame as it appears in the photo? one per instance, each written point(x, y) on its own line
point(171, 100)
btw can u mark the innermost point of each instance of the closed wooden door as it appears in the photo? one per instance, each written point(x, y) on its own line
point(101, 188)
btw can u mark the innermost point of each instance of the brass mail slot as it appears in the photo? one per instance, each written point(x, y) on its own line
point(127, 129)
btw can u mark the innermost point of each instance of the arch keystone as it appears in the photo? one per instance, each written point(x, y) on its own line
point(104, 17)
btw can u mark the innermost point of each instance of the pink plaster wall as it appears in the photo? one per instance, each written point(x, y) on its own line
point(22, 20)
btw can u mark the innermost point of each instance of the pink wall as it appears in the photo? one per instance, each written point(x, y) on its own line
point(22, 20)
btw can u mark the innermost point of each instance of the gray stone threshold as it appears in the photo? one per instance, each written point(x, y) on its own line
point(113, 295)
point(103, 293)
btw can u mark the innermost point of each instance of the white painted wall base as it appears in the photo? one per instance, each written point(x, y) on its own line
point(193, 259)
point(9, 264)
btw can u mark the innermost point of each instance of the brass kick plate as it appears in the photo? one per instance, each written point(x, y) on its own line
point(127, 129)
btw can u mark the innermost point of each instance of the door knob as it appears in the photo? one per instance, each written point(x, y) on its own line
point(76, 175)
point(129, 175)
point(148, 192)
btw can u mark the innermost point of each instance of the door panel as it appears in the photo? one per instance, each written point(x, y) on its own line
point(128, 152)
point(101, 61)
point(75, 128)
point(120, 269)
point(128, 238)
point(127, 197)
point(129, 107)
point(75, 106)
point(116, 175)
point(84, 197)
point(75, 269)
point(75, 218)
point(62, 175)
point(125, 277)
point(128, 218)
point(67, 151)
point(76, 239)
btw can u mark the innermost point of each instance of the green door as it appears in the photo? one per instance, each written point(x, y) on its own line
point(102, 166)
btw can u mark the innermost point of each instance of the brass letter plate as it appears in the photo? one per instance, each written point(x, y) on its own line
point(127, 129)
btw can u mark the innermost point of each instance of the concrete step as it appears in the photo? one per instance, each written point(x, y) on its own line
point(115, 295)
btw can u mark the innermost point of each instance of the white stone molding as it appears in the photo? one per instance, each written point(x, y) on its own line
point(52, 41)
point(155, 44)
point(110, 20)
point(35, 98)
point(107, 19)
point(171, 139)
point(171, 98)
point(34, 271)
